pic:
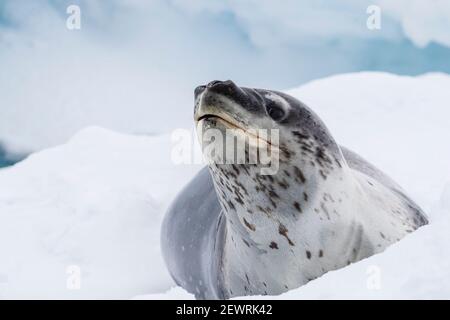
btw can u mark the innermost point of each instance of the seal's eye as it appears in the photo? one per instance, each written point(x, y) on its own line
point(275, 112)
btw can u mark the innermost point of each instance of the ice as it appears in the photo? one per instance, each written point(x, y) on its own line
point(95, 203)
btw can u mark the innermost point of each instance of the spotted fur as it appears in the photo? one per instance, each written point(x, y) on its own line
point(324, 208)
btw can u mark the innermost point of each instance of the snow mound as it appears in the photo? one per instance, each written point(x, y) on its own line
point(96, 202)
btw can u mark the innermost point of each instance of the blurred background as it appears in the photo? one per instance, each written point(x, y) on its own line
point(133, 65)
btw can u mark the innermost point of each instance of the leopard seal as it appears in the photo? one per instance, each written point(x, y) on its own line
point(233, 231)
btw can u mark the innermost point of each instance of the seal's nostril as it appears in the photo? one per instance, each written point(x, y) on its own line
point(199, 90)
point(213, 83)
point(227, 88)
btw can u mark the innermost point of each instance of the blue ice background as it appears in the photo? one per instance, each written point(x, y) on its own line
point(172, 46)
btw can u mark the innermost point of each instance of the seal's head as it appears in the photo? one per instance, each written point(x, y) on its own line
point(264, 118)
point(262, 207)
point(304, 152)
point(224, 105)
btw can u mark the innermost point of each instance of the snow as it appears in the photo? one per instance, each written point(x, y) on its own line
point(175, 293)
point(96, 202)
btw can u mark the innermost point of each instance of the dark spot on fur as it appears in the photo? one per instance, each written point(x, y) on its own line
point(232, 174)
point(273, 245)
point(308, 254)
point(273, 202)
point(248, 280)
point(307, 149)
point(283, 184)
point(283, 231)
point(285, 152)
point(249, 225)
point(273, 194)
point(242, 187)
point(305, 196)
point(299, 174)
point(297, 206)
point(261, 208)
point(237, 192)
point(239, 200)
point(322, 157)
point(320, 253)
point(231, 205)
point(300, 136)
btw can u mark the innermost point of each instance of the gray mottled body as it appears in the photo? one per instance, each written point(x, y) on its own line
point(234, 232)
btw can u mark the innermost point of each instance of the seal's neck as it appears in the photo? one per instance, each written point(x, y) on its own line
point(285, 229)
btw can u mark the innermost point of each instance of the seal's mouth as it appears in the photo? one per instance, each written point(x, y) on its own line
point(231, 123)
point(228, 122)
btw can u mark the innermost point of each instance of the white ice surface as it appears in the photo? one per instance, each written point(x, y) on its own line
point(97, 201)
